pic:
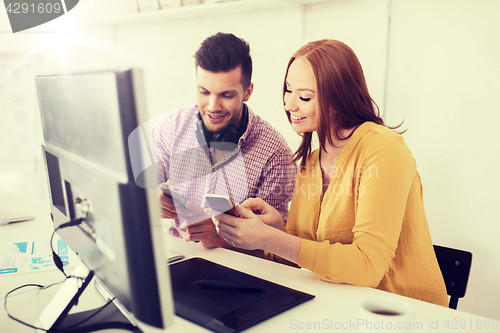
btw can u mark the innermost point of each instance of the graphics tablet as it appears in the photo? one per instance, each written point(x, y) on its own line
point(227, 310)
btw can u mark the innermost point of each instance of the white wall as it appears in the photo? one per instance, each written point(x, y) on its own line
point(443, 79)
point(18, 169)
point(444, 82)
point(52, 47)
point(166, 50)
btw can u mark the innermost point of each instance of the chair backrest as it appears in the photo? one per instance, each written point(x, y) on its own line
point(455, 267)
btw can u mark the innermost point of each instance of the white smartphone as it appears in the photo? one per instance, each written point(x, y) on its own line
point(221, 203)
point(174, 195)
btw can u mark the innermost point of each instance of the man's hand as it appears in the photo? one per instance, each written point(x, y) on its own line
point(169, 209)
point(204, 231)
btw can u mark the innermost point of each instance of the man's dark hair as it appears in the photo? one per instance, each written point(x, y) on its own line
point(223, 52)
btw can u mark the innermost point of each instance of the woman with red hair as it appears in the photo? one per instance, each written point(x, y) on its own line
point(357, 213)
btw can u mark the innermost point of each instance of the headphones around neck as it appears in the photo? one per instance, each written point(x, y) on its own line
point(225, 140)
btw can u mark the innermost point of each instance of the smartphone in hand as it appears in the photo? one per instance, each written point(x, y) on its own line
point(221, 203)
point(174, 195)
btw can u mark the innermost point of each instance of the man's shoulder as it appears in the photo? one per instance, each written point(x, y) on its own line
point(262, 131)
point(174, 121)
point(182, 114)
point(173, 125)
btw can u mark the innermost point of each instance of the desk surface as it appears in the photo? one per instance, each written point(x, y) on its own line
point(335, 307)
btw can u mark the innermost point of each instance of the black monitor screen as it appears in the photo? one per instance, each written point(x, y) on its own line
point(87, 121)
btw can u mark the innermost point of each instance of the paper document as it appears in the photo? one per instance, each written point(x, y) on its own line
point(30, 256)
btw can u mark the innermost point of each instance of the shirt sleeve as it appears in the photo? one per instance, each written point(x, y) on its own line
point(381, 203)
point(277, 181)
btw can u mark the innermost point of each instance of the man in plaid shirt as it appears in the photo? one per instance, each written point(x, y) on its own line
point(219, 145)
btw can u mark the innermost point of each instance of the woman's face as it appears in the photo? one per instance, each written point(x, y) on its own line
point(301, 96)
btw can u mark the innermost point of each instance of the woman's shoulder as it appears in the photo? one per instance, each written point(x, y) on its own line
point(370, 134)
point(381, 131)
point(380, 142)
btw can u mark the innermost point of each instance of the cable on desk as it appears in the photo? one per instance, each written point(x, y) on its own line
point(55, 257)
point(40, 287)
point(59, 264)
point(67, 329)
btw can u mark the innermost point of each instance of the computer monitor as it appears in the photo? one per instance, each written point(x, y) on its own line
point(90, 122)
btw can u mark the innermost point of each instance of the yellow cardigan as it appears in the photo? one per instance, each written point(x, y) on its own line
point(369, 228)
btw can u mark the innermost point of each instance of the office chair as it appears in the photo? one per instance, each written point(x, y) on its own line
point(455, 267)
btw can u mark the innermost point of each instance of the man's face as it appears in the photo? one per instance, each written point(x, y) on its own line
point(220, 98)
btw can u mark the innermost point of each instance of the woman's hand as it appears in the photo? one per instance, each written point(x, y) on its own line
point(267, 213)
point(248, 232)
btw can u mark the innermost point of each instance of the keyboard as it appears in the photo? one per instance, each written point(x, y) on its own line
point(7, 217)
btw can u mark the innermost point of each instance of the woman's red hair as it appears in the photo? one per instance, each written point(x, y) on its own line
point(343, 98)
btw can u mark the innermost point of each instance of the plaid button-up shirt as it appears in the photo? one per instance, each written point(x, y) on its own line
point(259, 167)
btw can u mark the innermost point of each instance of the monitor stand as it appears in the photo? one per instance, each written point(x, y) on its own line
point(55, 317)
point(109, 318)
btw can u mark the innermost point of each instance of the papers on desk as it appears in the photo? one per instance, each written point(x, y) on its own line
point(30, 256)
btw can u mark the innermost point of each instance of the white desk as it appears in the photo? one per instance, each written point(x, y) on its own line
point(335, 307)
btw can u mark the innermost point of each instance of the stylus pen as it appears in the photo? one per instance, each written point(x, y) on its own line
point(228, 285)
